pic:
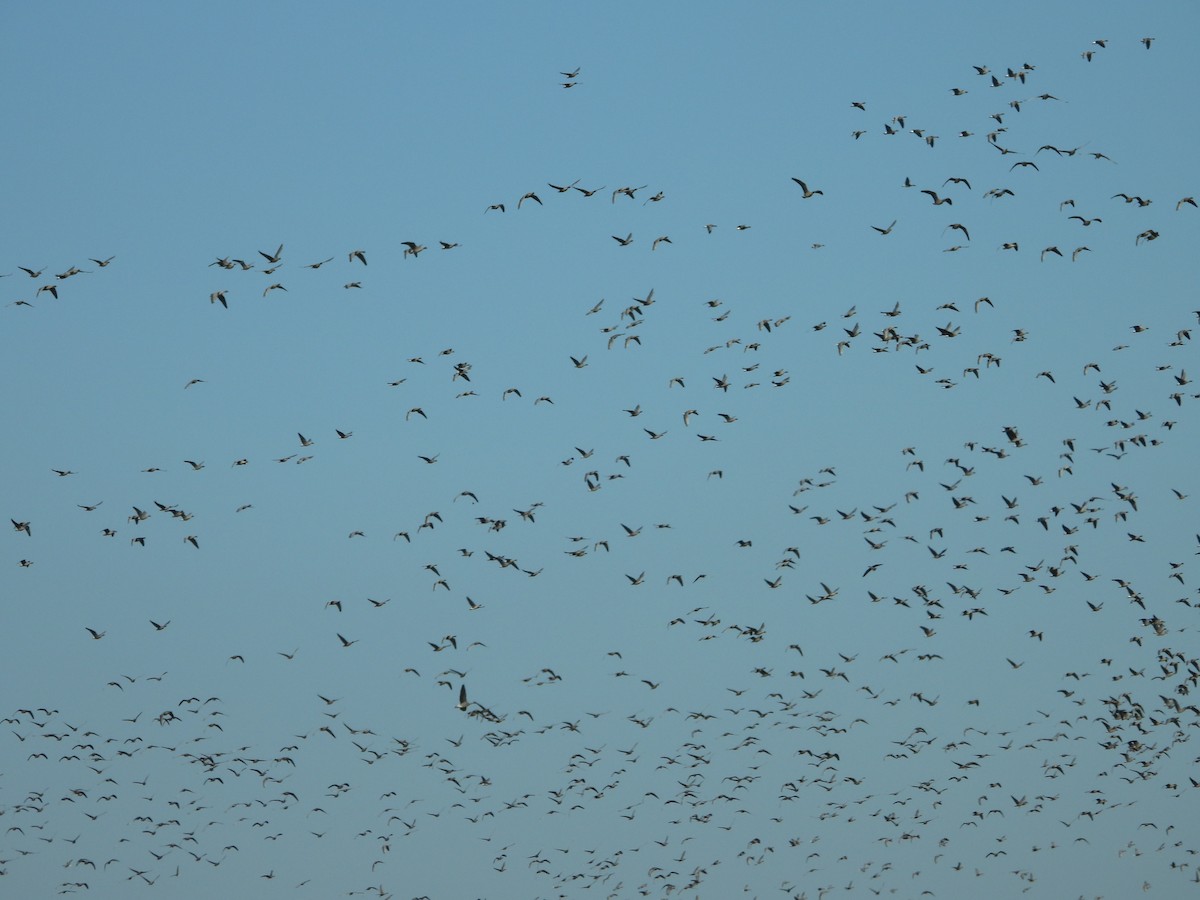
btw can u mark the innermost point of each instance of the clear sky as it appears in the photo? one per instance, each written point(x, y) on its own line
point(449, 453)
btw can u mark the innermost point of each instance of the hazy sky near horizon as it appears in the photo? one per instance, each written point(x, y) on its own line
point(450, 452)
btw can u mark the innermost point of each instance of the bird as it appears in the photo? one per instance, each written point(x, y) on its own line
point(806, 193)
point(887, 230)
point(625, 191)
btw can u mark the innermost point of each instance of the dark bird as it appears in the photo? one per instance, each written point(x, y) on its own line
point(804, 187)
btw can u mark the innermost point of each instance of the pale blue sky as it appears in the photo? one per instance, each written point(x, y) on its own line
point(866, 474)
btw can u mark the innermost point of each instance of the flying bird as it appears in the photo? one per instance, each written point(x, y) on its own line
point(807, 193)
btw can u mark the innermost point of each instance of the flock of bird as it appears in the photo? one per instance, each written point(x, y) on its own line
point(1035, 698)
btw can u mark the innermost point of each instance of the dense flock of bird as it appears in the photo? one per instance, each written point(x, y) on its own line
point(713, 736)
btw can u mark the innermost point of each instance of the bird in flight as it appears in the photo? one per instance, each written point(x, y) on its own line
point(807, 193)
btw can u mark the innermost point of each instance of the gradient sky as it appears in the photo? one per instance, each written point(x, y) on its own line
point(809, 560)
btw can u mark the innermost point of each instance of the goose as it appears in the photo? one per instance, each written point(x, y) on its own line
point(807, 193)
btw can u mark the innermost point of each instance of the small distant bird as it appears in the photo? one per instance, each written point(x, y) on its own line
point(807, 193)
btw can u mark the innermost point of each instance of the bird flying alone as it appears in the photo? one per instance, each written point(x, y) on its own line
point(808, 194)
